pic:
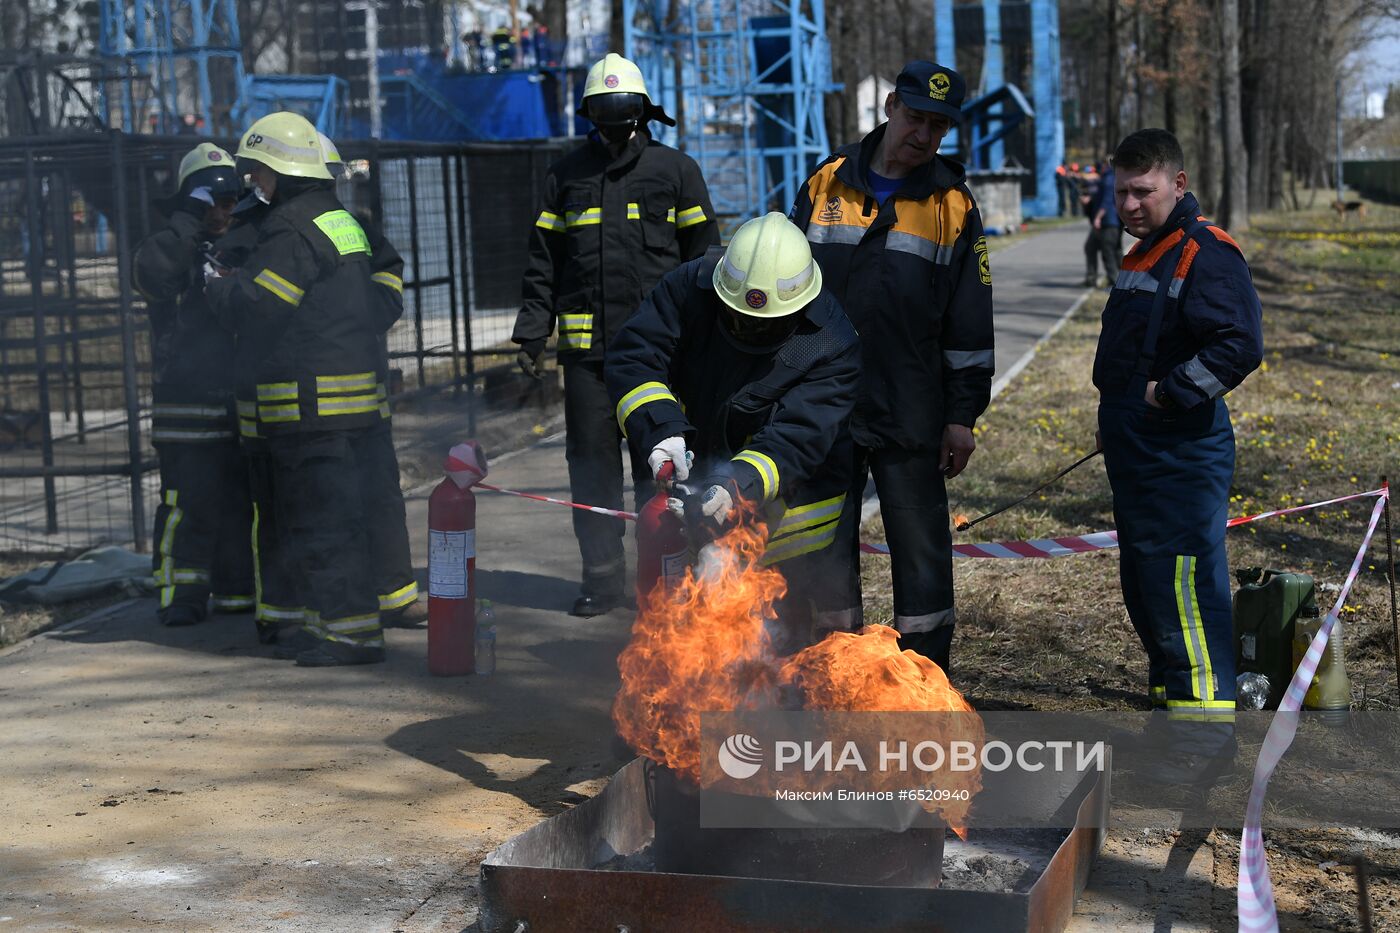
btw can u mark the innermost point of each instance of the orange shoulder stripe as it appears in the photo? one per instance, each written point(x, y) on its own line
point(1135, 262)
point(1188, 256)
point(1224, 237)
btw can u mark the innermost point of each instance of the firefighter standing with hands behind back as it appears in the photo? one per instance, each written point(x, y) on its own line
point(205, 513)
point(745, 362)
point(618, 213)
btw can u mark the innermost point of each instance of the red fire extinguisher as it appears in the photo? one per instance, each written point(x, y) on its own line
point(452, 564)
point(663, 549)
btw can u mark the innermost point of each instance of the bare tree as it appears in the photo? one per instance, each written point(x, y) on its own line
point(1235, 213)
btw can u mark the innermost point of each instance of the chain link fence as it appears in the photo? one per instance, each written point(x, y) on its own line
point(76, 464)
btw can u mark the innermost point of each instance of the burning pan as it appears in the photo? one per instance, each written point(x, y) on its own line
point(912, 858)
point(594, 869)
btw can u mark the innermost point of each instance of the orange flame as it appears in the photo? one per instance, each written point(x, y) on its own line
point(703, 647)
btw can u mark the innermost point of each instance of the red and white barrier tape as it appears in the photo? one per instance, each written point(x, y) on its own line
point(1004, 550)
point(1099, 540)
point(598, 509)
point(1255, 896)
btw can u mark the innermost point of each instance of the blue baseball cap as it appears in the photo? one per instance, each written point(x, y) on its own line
point(932, 88)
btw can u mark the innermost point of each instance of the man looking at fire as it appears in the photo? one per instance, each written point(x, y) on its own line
point(899, 236)
point(741, 366)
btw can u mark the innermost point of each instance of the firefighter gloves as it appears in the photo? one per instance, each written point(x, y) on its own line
point(716, 506)
point(671, 450)
point(530, 364)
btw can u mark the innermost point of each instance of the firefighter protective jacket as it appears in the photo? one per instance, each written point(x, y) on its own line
point(609, 229)
point(1211, 335)
point(191, 354)
point(914, 279)
point(305, 309)
point(773, 420)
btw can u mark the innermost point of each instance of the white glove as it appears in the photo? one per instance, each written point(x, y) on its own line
point(203, 193)
point(672, 449)
point(716, 505)
point(212, 271)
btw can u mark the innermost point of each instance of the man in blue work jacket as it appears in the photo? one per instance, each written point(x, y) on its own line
point(1181, 328)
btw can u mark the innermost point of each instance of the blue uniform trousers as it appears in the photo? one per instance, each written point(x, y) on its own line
point(1170, 472)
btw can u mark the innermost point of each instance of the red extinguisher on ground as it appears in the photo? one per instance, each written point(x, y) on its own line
point(663, 548)
point(452, 563)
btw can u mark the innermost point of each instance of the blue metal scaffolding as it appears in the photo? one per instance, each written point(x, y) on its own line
point(172, 54)
point(745, 80)
point(1002, 104)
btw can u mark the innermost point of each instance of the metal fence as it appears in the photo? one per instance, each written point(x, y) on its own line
point(76, 465)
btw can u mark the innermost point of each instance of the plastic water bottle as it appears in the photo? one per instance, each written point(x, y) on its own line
point(1252, 691)
point(486, 639)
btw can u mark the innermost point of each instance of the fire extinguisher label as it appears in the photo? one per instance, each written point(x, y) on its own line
point(448, 553)
point(673, 567)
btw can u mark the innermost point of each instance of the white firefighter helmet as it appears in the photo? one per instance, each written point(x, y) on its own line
point(768, 270)
point(615, 95)
point(208, 166)
point(331, 155)
point(287, 143)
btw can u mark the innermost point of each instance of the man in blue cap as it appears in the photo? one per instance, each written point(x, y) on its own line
point(899, 240)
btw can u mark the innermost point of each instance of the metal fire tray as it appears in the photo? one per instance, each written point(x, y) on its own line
point(586, 870)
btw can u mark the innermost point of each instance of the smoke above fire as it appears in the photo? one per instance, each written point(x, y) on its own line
point(705, 646)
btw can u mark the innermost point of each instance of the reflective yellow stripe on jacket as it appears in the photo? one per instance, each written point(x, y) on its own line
point(576, 331)
point(280, 287)
point(643, 394)
point(349, 394)
point(767, 470)
point(804, 529)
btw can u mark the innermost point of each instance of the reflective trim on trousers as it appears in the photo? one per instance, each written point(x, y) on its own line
point(403, 596)
point(908, 625)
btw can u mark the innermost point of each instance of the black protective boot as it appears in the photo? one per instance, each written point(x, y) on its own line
point(414, 615)
point(339, 654)
point(292, 641)
point(179, 615)
point(587, 606)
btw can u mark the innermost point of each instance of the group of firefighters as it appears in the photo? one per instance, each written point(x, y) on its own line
point(850, 339)
point(269, 310)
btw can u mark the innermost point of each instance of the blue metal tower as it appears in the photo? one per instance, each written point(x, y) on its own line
point(1033, 28)
point(171, 55)
point(745, 80)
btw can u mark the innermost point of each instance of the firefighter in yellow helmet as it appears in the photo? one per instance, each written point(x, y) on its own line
point(203, 520)
point(308, 342)
point(391, 558)
point(741, 369)
point(618, 213)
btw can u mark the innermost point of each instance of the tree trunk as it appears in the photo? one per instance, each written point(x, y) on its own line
point(1164, 26)
point(1111, 76)
point(1139, 77)
point(1235, 214)
point(1207, 172)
